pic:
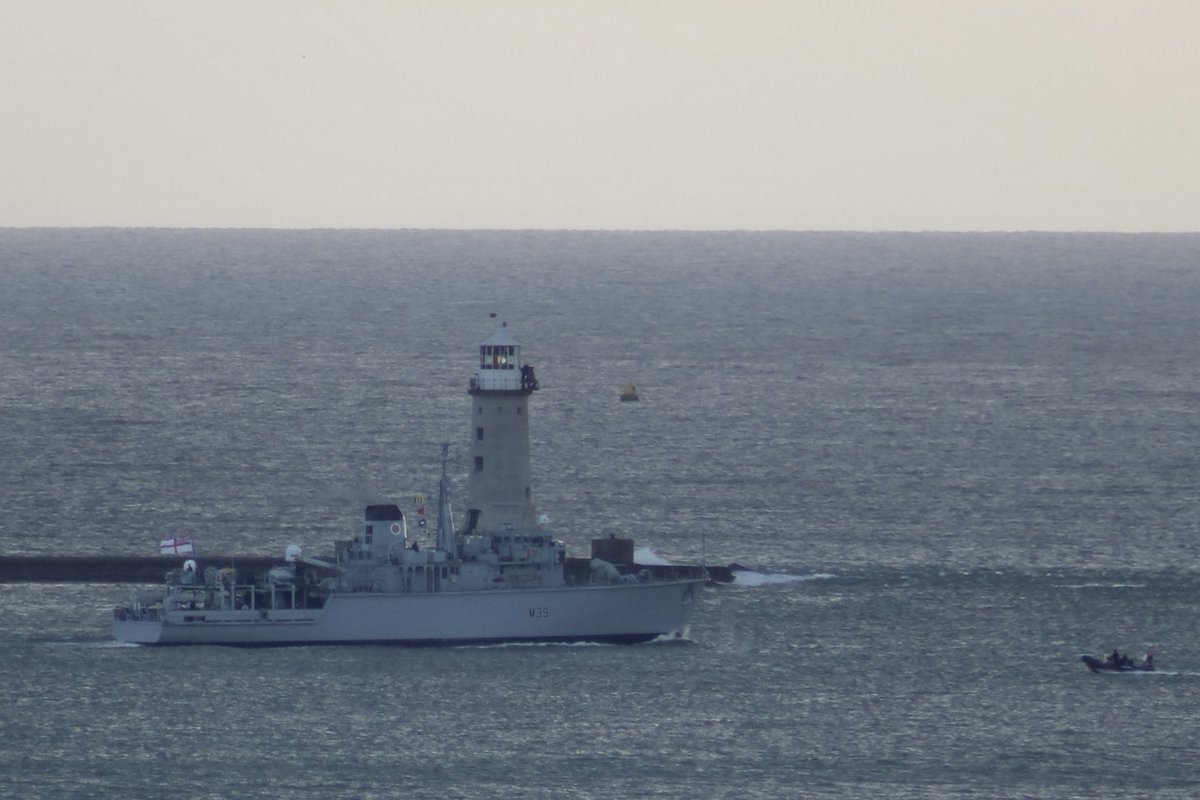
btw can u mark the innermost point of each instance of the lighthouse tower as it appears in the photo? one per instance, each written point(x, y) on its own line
point(498, 490)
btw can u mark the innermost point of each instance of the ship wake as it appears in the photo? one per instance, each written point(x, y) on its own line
point(749, 577)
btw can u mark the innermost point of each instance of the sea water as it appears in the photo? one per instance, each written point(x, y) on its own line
point(954, 463)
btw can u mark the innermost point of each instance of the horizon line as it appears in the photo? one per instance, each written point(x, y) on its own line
point(436, 229)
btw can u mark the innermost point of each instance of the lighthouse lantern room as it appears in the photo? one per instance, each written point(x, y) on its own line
point(500, 367)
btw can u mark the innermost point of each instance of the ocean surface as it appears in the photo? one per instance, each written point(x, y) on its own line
point(956, 462)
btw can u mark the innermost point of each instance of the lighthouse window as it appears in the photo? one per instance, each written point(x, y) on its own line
point(479, 434)
point(479, 463)
point(519, 409)
point(526, 492)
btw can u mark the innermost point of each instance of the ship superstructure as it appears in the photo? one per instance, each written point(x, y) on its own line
point(502, 577)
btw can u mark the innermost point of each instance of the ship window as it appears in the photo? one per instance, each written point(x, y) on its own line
point(479, 434)
point(369, 533)
point(479, 463)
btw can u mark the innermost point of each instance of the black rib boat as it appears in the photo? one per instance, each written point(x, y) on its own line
point(1118, 664)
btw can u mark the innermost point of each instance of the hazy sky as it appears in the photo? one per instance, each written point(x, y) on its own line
point(682, 114)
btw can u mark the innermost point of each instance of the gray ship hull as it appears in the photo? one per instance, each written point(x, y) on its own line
point(622, 613)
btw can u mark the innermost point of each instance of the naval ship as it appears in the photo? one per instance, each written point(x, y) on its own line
point(501, 577)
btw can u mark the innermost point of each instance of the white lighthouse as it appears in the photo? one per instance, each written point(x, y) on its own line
point(499, 498)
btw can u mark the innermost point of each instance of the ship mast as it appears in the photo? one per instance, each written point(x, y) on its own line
point(445, 534)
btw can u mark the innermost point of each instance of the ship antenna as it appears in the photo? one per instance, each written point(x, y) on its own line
point(443, 536)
